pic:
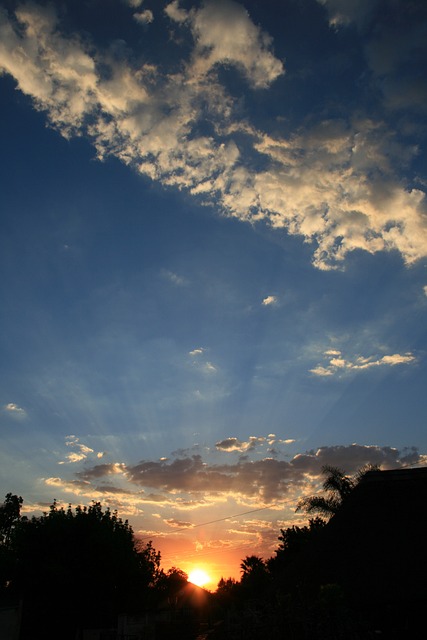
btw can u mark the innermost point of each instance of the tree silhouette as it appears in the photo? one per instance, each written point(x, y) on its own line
point(10, 513)
point(337, 487)
point(255, 577)
point(77, 569)
point(294, 538)
point(252, 565)
point(225, 587)
point(171, 582)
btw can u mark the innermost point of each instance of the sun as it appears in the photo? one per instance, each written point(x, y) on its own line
point(198, 577)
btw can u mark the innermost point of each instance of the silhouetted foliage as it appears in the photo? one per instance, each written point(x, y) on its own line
point(78, 569)
point(337, 486)
point(313, 588)
point(227, 586)
point(295, 538)
point(171, 582)
point(255, 578)
point(10, 514)
point(252, 567)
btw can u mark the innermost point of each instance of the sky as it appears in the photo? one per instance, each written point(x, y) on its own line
point(213, 259)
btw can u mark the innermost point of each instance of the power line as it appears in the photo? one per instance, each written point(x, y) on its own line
point(237, 515)
point(244, 513)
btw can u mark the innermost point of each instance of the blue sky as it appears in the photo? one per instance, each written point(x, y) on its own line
point(213, 258)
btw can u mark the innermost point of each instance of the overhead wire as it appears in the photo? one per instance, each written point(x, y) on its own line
point(244, 513)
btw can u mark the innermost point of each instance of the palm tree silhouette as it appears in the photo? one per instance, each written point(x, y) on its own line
point(337, 486)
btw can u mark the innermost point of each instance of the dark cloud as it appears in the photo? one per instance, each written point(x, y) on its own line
point(101, 470)
point(234, 444)
point(351, 458)
point(268, 479)
point(108, 488)
point(178, 524)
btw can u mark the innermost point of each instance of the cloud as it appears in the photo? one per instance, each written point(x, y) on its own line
point(128, 501)
point(273, 439)
point(337, 364)
point(174, 12)
point(225, 34)
point(205, 366)
point(144, 17)
point(336, 183)
point(344, 12)
point(110, 489)
point(425, 290)
point(81, 450)
point(134, 3)
point(267, 480)
point(101, 470)
point(13, 410)
point(395, 49)
point(174, 277)
point(234, 444)
point(352, 457)
point(395, 55)
point(208, 367)
point(77, 487)
point(270, 300)
point(73, 441)
point(177, 524)
point(196, 352)
point(318, 187)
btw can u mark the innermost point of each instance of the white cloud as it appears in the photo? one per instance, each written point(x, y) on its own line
point(81, 451)
point(322, 371)
point(76, 457)
point(335, 183)
point(224, 33)
point(134, 3)
point(425, 290)
point(318, 187)
point(15, 411)
point(174, 12)
point(196, 352)
point(270, 300)
point(337, 365)
point(180, 281)
point(392, 360)
point(205, 366)
point(144, 17)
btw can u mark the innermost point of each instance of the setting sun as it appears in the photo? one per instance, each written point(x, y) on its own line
point(198, 577)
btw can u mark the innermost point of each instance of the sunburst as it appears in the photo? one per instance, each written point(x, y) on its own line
point(198, 577)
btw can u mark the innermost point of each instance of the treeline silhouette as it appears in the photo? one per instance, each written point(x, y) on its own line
point(356, 570)
point(75, 569)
